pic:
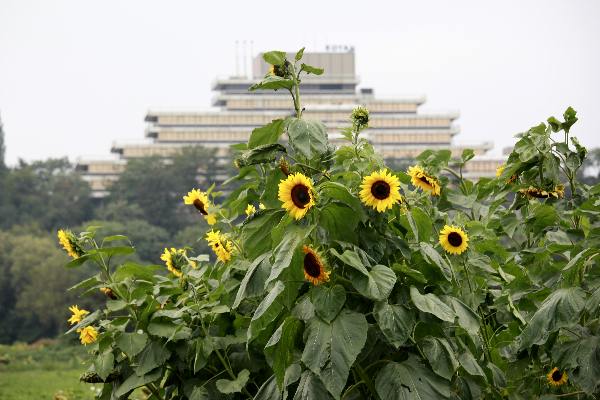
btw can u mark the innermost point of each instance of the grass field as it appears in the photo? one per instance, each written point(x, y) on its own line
point(44, 370)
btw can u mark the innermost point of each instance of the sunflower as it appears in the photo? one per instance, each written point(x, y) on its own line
point(198, 199)
point(296, 193)
point(420, 178)
point(557, 192)
point(219, 243)
point(250, 210)
point(314, 267)
point(88, 335)
point(78, 315)
point(109, 293)
point(453, 239)
point(500, 170)
point(556, 377)
point(380, 190)
point(69, 243)
point(175, 259)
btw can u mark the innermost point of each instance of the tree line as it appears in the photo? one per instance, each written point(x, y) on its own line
point(38, 198)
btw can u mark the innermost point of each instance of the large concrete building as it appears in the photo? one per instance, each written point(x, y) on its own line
point(396, 129)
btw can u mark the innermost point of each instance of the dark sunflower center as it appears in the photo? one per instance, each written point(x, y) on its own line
point(557, 375)
point(300, 196)
point(455, 239)
point(200, 206)
point(424, 180)
point(380, 190)
point(311, 265)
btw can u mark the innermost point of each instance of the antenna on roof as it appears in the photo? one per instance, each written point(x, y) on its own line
point(237, 64)
point(245, 59)
point(251, 59)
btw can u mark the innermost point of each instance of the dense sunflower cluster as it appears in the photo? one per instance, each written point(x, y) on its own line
point(220, 244)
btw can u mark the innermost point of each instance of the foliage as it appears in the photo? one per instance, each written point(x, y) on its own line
point(396, 307)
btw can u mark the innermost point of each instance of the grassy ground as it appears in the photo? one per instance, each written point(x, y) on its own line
point(44, 370)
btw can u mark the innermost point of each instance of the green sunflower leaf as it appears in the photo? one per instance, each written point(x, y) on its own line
point(410, 380)
point(332, 348)
point(560, 309)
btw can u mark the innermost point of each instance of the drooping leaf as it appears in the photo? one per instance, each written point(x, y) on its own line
point(256, 232)
point(135, 381)
point(131, 343)
point(253, 283)
point(410, 380)
point(282, 346)
point(275, 57)
point(311, 388)
point(395, 321)
point(582, 356)
point(441, 357)
point(267, 134)
point(312, 70)
point(328, 301)
point(433, 257)
point(332, 348)
point(272, 82)
point(153, 355)
point(560, 309)
point(309, 138)
point(284, 251)
point(268, 309)
point(104, 363)
point(432, 304)
point(227, 386)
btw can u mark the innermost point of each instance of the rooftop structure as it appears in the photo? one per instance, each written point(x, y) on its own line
point(396, 128)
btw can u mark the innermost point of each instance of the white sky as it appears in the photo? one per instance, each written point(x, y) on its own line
point(77, 74)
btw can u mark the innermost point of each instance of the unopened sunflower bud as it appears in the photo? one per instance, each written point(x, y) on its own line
point(284, 166)
point(360, 117)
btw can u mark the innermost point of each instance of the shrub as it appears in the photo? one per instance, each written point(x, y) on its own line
point(334, 277)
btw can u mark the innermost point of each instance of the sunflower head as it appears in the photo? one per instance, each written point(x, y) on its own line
point(77, 314)
point(315, 270)
point(500, 170)
point(453, 239)
point(198, 199)
point(557, 377)
point(556, 192)
point(220, 244)
point(88, 335)
point(175, 259)
point(296, 193)
point(108, 292)
point(70, 243)
point(278, 70)
point(380, 190)
point(423, 180)
point(360, 117)
point(250, 210)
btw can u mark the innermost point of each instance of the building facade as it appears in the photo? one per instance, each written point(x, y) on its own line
point(396, 128)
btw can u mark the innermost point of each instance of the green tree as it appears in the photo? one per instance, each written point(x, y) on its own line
point(47, 193)
point(155, 185)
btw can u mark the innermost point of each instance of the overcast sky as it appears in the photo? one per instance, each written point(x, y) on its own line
point(76, 75)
